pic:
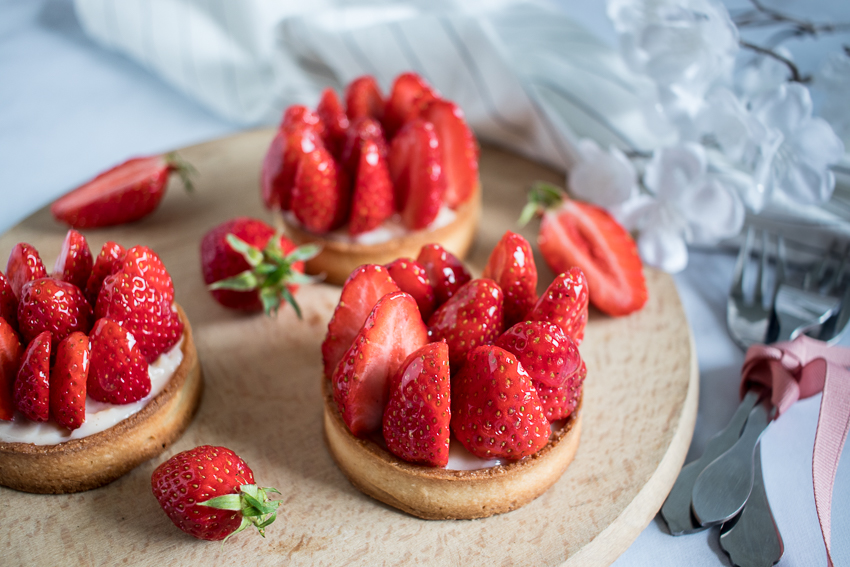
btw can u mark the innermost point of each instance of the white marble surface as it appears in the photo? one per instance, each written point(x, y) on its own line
point(69, 109)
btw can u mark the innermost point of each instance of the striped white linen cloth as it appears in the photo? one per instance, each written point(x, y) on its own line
point(527, 77)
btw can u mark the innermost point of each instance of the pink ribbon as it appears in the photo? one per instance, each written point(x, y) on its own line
point(799, 369)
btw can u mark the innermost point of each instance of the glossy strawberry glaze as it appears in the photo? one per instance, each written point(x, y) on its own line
point(99, 416)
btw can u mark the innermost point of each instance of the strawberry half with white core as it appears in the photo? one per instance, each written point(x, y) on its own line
point(564, 303)
point(412, 278)
point(363, 98)
point(118, 373)
point(24, 266)
point(68, 381)
point(55, 306)
point(418, 414)
point(32, 385)
point(11, 352)
point(511, 265)
point(75, 261)
point(372, 199)
point(393, 330)
point(361, 291)
point(474, 316)
point(125, 193)
point(446, 273)
point(496, 413)
point(544, 350)
point(573, 233)
point(458, 150)
point(108, 261)
point(247, 265)
point(561, 402)
point(209, 493)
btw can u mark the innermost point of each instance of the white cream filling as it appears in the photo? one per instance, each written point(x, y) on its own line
point(100, 416)
point(391, 228)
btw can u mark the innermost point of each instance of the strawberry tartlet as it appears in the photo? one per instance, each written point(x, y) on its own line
point(374, 180)
point(450, 397)
point(98, 368)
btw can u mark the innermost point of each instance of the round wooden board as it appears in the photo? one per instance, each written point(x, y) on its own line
point(263, 400)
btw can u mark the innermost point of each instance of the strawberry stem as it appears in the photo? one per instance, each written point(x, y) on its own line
point(254, 505)
point(183, 168)
point(542, 197)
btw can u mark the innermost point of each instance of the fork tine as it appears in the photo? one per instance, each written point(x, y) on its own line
point(743, 255)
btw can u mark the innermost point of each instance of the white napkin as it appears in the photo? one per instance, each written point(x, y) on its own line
point(527, 77)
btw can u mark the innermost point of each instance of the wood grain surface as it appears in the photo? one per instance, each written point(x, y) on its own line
point(263, 400)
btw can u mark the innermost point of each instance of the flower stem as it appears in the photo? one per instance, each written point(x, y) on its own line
point(795, 72)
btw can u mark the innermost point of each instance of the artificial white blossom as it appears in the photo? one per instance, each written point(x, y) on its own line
point(762, 74)
point(606, 178)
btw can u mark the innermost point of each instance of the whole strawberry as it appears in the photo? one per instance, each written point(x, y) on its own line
point(247, 266)
point(412, 278)
point(118, 373)
point(55, 306)
point(320, 192)
point(560, 402)
point(125, 193)
point(209, 493)
point(496, 413)
point(511, 265)
point(372, 198)
point(24, 266)
point(564, 303)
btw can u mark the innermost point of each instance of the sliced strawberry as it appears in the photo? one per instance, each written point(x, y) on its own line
point(119, 372)
point(548, 354)
point(361, 291)
point(362, 129)
point(68, 381)
point(406, 90)
point(280, 164)
point(32, 385)
point(24, 266)
point(472, 317)
point(559, 403)
point(143, 262)
point(458, 150)
point(511, 265)
point(412, 278)
point(418, 414)
point(363, 98)
point(75, 261)
point(445, 272)
point(392, 331)
point(8, 302)
point(299, 115)
point(320, 194)
point(372, 199)
point(336, 122)
point(54, 306)
point(11, 352)
point(565, 304)
point(496, 413)
point(417, 174)
point(108, 261)
point(125, 193)
point(573, 233)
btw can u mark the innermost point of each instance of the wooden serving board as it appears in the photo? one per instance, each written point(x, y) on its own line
point(263, 400)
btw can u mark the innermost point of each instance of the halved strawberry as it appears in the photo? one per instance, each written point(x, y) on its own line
point(11, 352)
point(125, 193)
point(75, 261)
point(406, 90)
point(458, 150)
point(511, 265)
point(108, 262)
point(445, 272)
point(119, 372)
point(392, 331)
point(496, 413)
point(472, 317)
point(372, 198)
point(560, 402)
point(281, 163)
point(564, 303)
point(336, 122)
point(24, 266)
point(320, 193)
point(418, 413)
point(8, 302)
point(361, 129)
point(363, 98)
point(547, 353)
point(573, 233)
point(417, 174)
point(32, 385)
point(361, 291)
point(68, 381)
point(412, 278)
point(54, 306)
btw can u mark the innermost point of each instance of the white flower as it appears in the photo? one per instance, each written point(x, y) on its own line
point(799, 169)
point(685, 204)
point(600, 177)
point(762, 74)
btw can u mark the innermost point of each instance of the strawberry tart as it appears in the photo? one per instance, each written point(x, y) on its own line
point(450, 397)
point(374, 180)
point(98, 369)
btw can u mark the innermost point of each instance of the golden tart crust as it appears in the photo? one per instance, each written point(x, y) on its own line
point(96, 460)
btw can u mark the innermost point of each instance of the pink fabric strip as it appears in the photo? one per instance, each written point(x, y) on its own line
point(799, 369)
